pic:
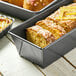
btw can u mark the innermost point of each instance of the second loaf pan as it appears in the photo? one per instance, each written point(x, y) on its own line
point(20, 12)
point(52, 52)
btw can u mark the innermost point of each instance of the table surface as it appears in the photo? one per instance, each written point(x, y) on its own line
point(11, 64)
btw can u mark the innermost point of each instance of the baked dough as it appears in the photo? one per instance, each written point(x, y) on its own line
point(68, 25)
point(4, 23)
point(39, 36)
point(35, 5)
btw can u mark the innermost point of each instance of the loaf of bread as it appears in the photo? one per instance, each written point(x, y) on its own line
point(39, 36)
point(68, 25)
point(50, 29)
point(51, 26)
point(35, 5)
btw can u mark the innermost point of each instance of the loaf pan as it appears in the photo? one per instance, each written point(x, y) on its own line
point(52, 52)
point(20, 12)
point(5, 31)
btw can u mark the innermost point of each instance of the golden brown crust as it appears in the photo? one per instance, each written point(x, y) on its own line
point(35, 5)
point(67, 24)
point(45, 33)
point(39, 36)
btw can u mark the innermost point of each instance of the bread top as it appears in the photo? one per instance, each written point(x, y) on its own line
point(45, 33)
point(57, 13)
point(52, 25)
point(69, 22)
point(36, 2)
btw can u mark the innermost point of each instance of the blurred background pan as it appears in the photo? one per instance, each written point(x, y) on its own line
point(20, 12)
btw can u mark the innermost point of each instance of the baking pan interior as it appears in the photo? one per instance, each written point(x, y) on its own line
point(19, 31)
point(20, 12)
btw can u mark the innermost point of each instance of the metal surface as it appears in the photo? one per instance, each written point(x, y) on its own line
point(52, 52)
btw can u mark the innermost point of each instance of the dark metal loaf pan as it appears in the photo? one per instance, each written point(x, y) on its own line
point(52, 52)
point(5, 31)
point(20, 12)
